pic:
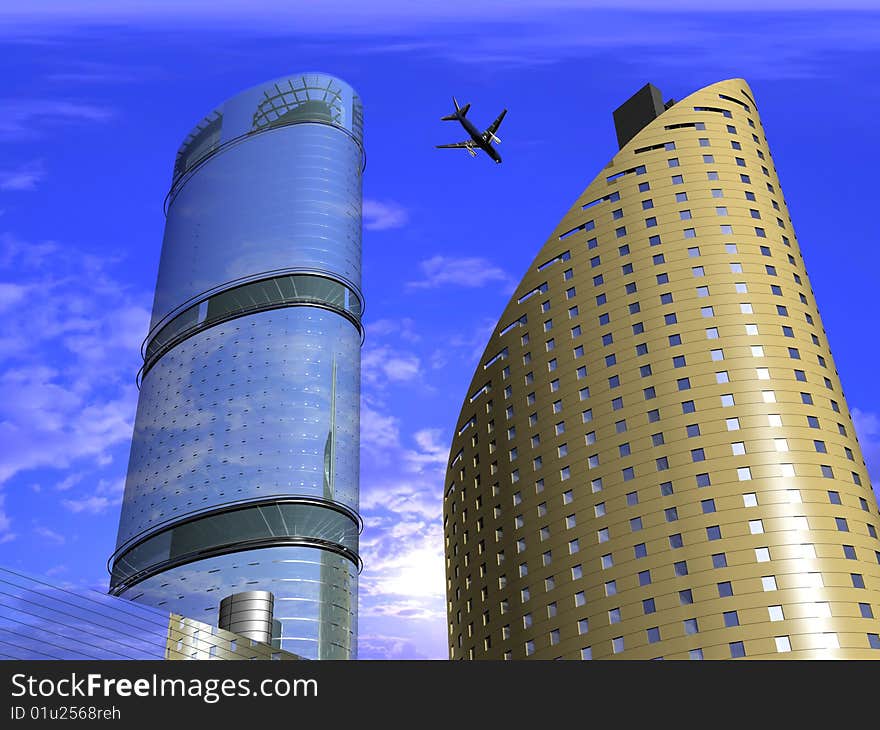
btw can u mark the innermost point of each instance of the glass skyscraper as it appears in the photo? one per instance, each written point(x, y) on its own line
point(243, 474)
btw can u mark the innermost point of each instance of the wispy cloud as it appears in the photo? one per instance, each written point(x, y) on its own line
point(460, 345)
point(393, 15)
point(430, 454)
point(52, 416)
point(404, 496)
point(502, 35)
point(867, 425)
point(92, 72)
point(454, 271)
point(70, 480)
point(405, 575)
point(381, 364)
point(6, 533)
point(11, 294)
point(402, 606)
point(29, 118)
point(404, 328)
point(49, 535)
point(391, 646)
point(23, 178)
point(404, 452)
point(107, 493)
point(93, 504)
point(380, 432)
point(401, 587)
point(381, 216)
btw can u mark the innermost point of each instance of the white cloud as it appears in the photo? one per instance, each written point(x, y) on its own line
point(28, 118)
point(93, 504)
point(24, 178)
point(69, 481)
point(45, 422)
point(55, 538)
point(458, 271)
point(67, 362)
point(432, 452)
point(867, 425)
point(404, 328)
point(503, 34)
point(107, 493)
point(401, 586)
point(343, 16)
point(402, 604)
point(382, 364)
point(6, 533)
point(408, 576)
point(381, 216)
point(404, 496)
point(80, 71)
point(11, 294)
point(380, 432)
point(389, 646)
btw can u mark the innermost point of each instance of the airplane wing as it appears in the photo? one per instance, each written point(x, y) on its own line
point(497, 123)
point(456, 145)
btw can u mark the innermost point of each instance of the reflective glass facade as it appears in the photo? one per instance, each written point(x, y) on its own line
point(39, 620)
point(243, 472)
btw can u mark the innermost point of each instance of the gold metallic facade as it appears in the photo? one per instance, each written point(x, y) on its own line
point(614, 494)
point(191, 639)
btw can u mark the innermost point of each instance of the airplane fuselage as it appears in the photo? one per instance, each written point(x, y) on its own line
point(477, 136)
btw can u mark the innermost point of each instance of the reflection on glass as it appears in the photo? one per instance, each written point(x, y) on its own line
point(248, 415)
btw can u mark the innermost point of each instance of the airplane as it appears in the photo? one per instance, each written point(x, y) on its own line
point(478, 140)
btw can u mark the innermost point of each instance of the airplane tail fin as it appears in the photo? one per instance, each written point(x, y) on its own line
point(460, 111)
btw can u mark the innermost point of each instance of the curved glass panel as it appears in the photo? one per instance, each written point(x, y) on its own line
point(201, 142)
point(307, 97)
point(251, 384)
point(237, 528)
point(312, 98)
point(284, 196)
point(279, 291)
point(315, 594)
point(253, 408)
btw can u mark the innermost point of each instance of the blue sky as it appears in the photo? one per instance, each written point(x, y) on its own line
point(96, 96)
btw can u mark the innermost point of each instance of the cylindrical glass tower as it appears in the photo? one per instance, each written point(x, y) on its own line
point(244, 464)
point(655, 458)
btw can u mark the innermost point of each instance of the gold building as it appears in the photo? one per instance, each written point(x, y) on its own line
point(655, 457)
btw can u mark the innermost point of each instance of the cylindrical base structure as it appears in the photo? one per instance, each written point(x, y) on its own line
point(249, 614)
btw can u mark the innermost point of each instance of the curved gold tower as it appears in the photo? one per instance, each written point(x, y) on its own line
point(655, 457)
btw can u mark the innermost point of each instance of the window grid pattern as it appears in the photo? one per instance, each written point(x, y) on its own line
point(694, 484)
